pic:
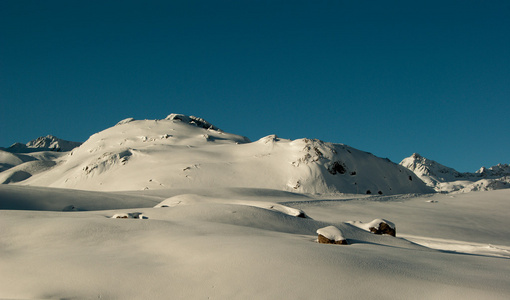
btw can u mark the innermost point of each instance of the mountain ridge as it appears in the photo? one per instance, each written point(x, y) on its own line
point(188, 152)
point(183, 151)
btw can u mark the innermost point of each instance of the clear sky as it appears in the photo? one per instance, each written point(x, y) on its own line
point(387, 77)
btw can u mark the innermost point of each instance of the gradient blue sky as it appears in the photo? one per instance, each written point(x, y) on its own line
point(387, 77)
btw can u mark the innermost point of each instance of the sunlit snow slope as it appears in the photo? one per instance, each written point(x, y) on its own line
point(188, 152)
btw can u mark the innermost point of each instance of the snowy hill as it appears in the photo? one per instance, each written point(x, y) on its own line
point(445, 179)
point(189, 152)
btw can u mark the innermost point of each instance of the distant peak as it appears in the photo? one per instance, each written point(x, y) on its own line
point(44, 143)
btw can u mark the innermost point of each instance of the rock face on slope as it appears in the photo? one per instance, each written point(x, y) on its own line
point(445, 179)
point(188, 152)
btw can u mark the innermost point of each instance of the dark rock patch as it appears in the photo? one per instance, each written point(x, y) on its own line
point(383, 228)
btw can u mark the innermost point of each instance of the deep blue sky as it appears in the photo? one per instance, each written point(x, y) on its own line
point(387, 77)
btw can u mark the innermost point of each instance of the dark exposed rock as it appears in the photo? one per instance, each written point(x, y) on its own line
point(337, 168)
point(383, 228)
point(302, 215)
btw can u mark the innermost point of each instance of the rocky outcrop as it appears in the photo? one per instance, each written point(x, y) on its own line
point(383, 228)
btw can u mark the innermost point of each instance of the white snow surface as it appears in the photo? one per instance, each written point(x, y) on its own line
point(189, 152)
point(230, 243)
point(445, 179)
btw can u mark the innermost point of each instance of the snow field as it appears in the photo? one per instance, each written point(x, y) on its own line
point(223, 247)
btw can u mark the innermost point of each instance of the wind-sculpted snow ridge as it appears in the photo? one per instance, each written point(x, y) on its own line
point(445, 179)
point(189, 152)
point(192, 199)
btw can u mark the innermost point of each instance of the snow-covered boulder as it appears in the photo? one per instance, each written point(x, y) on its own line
point(377, 226)
point(382, 227)
point(133, 215)
point(331, 235)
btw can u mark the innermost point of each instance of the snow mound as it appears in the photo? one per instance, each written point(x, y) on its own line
point(184, 199)
point(487, 185)
point(331, 233)
point(192, 199)
point(14, 176)
point(9, 160)
point(24, 171)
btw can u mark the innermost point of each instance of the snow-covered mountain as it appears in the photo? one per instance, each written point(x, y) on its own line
point(20, 161)
point(218, 215)
point(189, 152)
point(43, 143)
point(446, 179)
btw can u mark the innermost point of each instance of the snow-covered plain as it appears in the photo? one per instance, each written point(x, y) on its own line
point(221, 246)
point(178, 209)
